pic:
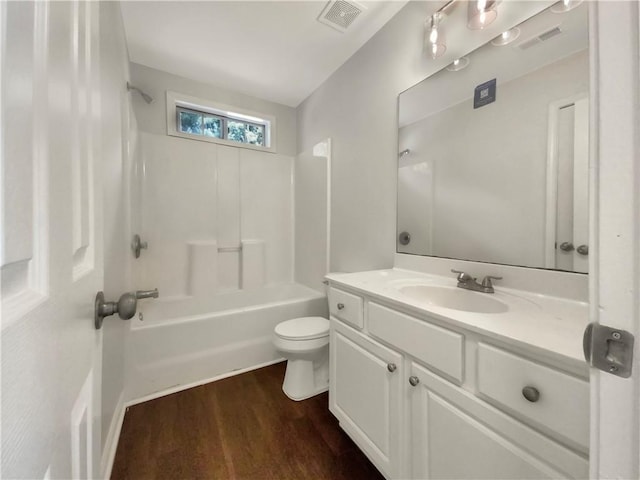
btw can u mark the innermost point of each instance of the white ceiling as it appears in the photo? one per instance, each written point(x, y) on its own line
point(276, 51)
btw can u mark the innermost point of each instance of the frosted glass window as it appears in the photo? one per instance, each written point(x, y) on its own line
point(244, 132)
point(190, 122)
point(212, 125)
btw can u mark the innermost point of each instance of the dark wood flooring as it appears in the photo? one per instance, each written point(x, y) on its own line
point(242, 427)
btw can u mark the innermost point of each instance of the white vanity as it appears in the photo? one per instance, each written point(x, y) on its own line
point(434, 381)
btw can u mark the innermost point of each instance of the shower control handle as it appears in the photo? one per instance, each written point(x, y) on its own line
point(147, 293)
point(125, 307)
point(137, 244)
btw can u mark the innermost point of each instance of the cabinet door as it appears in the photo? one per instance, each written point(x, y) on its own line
point(365, 395)
point(456, 435)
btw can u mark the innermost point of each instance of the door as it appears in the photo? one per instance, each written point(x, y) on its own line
point(51, 253)
point(365, 395)
point(615, 285)
point(455, 435)
point(567, 209)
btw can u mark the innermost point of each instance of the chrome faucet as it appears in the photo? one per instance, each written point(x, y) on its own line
point(470, 283)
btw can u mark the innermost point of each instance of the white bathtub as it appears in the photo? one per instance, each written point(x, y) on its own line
point(182, 343)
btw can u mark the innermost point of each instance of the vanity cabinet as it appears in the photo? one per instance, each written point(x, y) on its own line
point(366, 394)
point(456, 435)
point(426, 401)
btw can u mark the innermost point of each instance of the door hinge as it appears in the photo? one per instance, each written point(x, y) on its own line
point(608, 349)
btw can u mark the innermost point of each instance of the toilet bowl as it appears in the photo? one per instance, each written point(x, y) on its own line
point(304, 342)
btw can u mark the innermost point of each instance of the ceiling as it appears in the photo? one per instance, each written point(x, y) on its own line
point(272, 50)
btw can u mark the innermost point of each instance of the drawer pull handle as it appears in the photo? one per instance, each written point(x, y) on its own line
point(391, 367)
point(531, 393)
point(414, 381)
point(340, 306)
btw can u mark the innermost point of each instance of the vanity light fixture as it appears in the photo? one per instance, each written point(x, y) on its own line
point(506, 38)
point(565, 6)
point(435, 41)
point(481, 13)
point(458, 64)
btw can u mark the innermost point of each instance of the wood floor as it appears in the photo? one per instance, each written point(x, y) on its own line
point(241, 427)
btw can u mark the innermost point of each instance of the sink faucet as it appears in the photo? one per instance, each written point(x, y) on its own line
point(467, 281)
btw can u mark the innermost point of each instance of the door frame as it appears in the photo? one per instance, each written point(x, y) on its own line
point(614, 280)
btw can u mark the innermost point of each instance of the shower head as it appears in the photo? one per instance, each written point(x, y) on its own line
point(147, 98)
point(404, 152)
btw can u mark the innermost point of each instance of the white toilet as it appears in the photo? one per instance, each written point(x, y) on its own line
point(304, 342)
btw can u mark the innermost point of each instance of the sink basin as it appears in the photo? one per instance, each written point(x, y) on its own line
point(454, 298)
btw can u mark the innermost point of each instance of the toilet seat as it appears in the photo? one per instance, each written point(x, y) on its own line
point(303, 328)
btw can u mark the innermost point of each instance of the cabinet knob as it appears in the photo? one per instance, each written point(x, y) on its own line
point(531, 393)
point(414, 381)
point(340, 306)
point(391, 367)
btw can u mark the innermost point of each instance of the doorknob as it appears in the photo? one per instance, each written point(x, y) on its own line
point(125, 307)
point(583, 249)
point(567, 247)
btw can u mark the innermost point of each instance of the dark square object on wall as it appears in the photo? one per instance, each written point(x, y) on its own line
point(484, 94)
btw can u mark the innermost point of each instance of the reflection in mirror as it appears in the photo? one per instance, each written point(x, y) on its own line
point(505, 182)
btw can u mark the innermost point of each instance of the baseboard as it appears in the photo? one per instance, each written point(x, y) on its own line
point(111, 442)
point(187, 386)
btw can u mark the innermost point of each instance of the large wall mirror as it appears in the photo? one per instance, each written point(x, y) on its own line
point(505, 182)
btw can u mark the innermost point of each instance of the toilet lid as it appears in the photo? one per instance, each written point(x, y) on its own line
point(304, 328)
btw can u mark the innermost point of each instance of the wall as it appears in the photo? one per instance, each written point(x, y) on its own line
point(118, 144)
point(152, 118)
point(357, 108)
point(488, 168)
point(312, 196)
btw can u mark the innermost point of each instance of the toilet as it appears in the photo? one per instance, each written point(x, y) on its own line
point(304, 342)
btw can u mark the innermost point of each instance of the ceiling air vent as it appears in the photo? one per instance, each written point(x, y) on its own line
point(542, 37)
point(339, 14)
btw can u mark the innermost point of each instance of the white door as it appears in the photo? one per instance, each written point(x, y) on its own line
point(615, 284)
point(365, 395)
point(51, 239)
point(455, 435)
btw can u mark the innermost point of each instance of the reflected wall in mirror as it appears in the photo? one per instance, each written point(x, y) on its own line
point(506, 182)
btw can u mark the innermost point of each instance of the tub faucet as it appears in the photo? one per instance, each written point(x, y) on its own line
point(470, 283)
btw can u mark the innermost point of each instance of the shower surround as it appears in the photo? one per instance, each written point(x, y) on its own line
point(218, 221)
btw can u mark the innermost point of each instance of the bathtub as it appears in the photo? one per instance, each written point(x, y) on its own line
point(181, 342)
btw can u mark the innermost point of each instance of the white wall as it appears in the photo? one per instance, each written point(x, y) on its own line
point(312, 169)
point(488, 168)
point(357, 108)
point(118, 137)
point(152, 118)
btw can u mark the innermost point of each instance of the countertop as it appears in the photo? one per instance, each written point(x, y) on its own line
point(549, 325)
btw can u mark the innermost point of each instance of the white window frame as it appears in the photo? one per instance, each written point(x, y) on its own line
point(175, 100)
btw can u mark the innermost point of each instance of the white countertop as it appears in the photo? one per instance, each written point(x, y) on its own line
point(550, 325)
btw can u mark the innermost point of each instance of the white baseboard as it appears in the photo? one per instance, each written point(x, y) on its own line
point(187, 386)
point(111, 442)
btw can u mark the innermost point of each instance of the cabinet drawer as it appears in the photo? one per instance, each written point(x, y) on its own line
point(438, 347)
point(346, 306)
point(563, 403)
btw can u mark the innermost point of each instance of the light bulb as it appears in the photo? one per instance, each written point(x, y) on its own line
point(433, 36)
